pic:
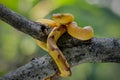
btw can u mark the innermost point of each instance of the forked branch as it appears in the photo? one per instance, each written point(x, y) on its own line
point(76, 51)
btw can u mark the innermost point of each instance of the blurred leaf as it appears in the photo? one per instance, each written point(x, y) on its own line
point(27, 46)
point(35, 2)
point(20, 6)
point(9, 42)
point(12, 4)
point(63, 2)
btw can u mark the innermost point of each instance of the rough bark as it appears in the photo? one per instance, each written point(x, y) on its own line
point(76, 51)
point(36, 30)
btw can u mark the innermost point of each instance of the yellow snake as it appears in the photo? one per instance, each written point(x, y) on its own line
point(60, 24)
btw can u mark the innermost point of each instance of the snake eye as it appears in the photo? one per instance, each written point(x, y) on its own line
point(63, 18)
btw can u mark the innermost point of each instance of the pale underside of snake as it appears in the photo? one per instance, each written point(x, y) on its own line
point(60, 24)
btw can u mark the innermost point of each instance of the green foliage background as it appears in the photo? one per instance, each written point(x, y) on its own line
point(17, 48)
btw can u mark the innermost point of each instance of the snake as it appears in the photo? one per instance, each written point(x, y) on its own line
point(61, 23)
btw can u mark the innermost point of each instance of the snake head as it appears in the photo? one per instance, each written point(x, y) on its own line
point(63, 19)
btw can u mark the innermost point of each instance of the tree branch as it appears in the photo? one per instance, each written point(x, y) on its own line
point(36, 30)
point(76, 51)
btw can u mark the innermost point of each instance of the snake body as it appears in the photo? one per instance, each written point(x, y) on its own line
point(60, 24)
